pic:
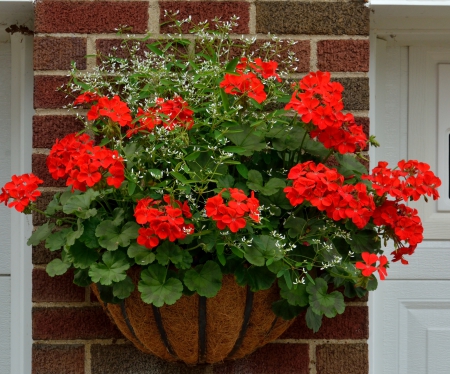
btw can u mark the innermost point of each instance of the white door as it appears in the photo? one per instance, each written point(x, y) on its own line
point(410, 312)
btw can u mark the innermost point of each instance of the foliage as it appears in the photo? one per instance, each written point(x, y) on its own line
point(207, 161)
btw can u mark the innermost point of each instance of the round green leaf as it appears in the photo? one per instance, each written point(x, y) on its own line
point(322, 302)
point(112, 269)
point(57, 267)
point(156, 289)
point(205, 279)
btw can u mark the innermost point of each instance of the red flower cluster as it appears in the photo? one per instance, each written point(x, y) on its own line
point(248, 83)
point(324, 188)
point(367, 266)
point(319, 101)
point(84, 164)
point(234, 214)
point(22, 189)
point(86, 98)
point(113, 108)
point(164, 221)
point(410, 181)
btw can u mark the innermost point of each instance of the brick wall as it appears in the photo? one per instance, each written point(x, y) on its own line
point(71, 333)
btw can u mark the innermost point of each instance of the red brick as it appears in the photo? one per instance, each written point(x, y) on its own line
point(59, 53)
point(48, 93)
point(41, 255)
point(343, 55)
point(205, 10)
point(59, 288)
point(57, 359)
point(352, 324)
point(342, 359)
point(40, 169)
point(90, 16)
point(72, 323)
point(270, 359)
point(46, 129)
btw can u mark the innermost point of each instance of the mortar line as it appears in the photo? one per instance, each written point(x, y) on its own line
point(252, 18)
point(87, 358)
point(312, 358)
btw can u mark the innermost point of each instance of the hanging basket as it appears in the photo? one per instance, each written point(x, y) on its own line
point(197, 329)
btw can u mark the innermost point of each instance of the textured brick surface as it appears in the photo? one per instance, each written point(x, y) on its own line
point(58, 53)
point(46, 129)
point(126, 359)
point(41, 255)
point(205, 10)
point(270, 359)
point(323, 18)
point(342, 359)
point(58, 359)
point(90, 16)
point(352, 324)
point(356, 93)
point(48, 93)
point(40, 169)
point(42, 202)
point(72, 323)
point(343, 55)
point(60, 288)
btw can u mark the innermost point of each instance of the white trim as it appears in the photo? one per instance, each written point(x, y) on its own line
point(21, 225)
point(373, 3)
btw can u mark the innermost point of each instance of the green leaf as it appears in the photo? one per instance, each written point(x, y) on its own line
point(156, 289)
point(283, 309)
point(79, 204)
point(82, 256)
point(322, 302)
point(154, 48)
point(315, 148)
point(259, 278)
point(242, 170)
point(296, 295)
point(313, 320)
point(226, 181)
point(40, 234)
point(364, 241)
point(349, 165)
point(106, 294)
point(179, 176)
point(118, 216)
point(273, 186)
point(57, 267)
point(205, 279)
point(231, 66)
point(54, 205)
point(296, 226)
point(141, 254)
point(193, 156)
point(247, 139)
point(124, 288)
point(170, 252)
point(88, 237)
point(57, 240)
point(111, 237)
point(234, 149)
point(112, 269)
point(254, 255)
point(73, 235)
point(81, 277)
point(255, 180)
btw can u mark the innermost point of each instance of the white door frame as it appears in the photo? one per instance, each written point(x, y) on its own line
point(21, 225)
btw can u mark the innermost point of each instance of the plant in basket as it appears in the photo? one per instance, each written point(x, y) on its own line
point(213, 196)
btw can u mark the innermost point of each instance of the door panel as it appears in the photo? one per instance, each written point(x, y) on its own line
point(410, 311)
point(5, 323)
